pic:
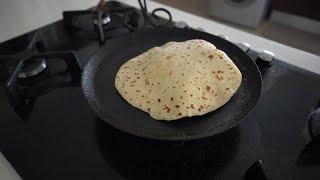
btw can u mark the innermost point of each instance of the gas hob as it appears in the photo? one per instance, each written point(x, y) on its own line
point(48, 131)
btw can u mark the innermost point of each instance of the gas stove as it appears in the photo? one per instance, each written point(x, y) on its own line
point(48, 131)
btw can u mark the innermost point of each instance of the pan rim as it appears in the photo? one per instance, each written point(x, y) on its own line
point(88, 84)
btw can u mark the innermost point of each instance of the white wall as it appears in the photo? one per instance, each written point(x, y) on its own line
point(20, 16)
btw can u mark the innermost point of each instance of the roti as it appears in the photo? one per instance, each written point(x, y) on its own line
point(179, 79)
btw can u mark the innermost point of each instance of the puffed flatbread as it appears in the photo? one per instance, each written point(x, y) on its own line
point(179, 79)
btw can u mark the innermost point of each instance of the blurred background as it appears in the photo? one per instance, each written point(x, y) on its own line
point(292, 22)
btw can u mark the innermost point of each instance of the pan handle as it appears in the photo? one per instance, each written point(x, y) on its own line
point(311, 134)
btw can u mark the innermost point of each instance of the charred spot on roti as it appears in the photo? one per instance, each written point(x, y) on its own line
point(166, 108)
point(208, 88)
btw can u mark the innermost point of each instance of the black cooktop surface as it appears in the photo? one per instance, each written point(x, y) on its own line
point(61, 138)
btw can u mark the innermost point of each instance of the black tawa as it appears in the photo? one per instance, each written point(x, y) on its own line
point(98, 86)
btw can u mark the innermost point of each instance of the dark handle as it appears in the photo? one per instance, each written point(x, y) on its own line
point(153, 13)
point(148, 20)
point(311, 133)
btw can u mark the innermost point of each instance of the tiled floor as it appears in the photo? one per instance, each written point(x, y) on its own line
point(277, 32)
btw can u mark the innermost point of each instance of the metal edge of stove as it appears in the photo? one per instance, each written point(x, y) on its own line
point(7, 172)
point(254, 53)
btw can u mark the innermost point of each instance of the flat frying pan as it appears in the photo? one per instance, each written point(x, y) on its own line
point(98, 85)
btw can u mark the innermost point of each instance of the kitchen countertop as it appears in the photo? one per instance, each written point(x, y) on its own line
point(47, 12)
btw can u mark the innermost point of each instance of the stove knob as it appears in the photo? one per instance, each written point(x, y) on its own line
point(181, 24)
point(266, 58)
point(244, 46)
point(200, 29)
point(223, 36)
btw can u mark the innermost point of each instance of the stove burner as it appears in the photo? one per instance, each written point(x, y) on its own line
point(22, 91)
point(133, 20)
point(32, 68)
point(103, 19)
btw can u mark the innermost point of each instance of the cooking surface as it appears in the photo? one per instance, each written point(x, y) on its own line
point(99, 77)
point(63, 139)
point(66, 144)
